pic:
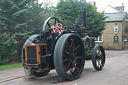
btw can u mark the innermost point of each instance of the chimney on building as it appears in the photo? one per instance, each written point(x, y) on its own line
point(122, 4)
point(120, 8)
point(94, 5)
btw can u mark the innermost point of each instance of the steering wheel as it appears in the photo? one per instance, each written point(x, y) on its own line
point(57, 27)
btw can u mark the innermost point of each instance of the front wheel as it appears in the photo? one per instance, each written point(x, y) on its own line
point(32, 39)
point(98, 57)
point(69, 56)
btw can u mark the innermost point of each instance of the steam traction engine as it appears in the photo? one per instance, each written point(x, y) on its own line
point(64, 48)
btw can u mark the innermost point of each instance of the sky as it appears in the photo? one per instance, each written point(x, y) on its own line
point(101, 4)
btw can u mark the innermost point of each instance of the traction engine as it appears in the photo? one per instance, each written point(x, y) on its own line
point(63, 48)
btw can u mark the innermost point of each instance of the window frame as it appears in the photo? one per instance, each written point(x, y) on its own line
point(99, 39)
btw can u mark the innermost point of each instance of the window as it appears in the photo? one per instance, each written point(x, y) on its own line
point(99, 38)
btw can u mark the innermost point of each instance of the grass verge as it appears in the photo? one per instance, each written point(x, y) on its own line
point(10, 66)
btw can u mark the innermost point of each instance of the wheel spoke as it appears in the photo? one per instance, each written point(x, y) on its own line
point(49, 25)
point(98, 61)
point(66, 52)
point(71, 71)
point(68, 66)
point(75, 66)
point(65, 60)
point(78, 57)
point(98, 51)
point(65, 68)
point(86, 44)
point(72, 40)
point(67, 45)
point(55, 22)
point(76, 48)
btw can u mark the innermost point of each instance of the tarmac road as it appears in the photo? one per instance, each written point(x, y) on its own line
point(115, 72)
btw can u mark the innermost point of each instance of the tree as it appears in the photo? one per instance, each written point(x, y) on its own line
point(69, 12)
point(18, 20)
point(95, 22)
point(12, 25)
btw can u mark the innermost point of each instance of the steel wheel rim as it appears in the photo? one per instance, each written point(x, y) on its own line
point(72, 60)
point(98, 58)
point(67, 67)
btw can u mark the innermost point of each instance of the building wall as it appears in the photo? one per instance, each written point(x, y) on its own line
point(108, 36)
point(125, 24)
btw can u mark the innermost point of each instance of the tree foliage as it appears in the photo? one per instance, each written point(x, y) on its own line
point(69, 12)
point(18, 20)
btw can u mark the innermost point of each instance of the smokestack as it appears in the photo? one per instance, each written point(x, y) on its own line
point(83, 17)
point(94, 4)
point(120, 8)
point(122, 4)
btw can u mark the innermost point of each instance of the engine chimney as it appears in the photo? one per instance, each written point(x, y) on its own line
point(83, 17)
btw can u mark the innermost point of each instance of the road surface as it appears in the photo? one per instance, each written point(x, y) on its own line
point(115, 72)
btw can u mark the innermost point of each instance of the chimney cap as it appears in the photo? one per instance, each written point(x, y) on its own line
point(122, 4)
point(94, 4)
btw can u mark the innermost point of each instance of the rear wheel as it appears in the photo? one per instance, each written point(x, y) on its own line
point(69, 56)
point(98, 57)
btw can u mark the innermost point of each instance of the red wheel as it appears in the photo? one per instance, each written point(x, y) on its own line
point(57, 27)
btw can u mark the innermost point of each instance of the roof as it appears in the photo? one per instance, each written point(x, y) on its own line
point(120, 8)
point(109, 9)
point(117, 16)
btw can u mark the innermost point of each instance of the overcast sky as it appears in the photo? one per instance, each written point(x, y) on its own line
point(101, 4)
